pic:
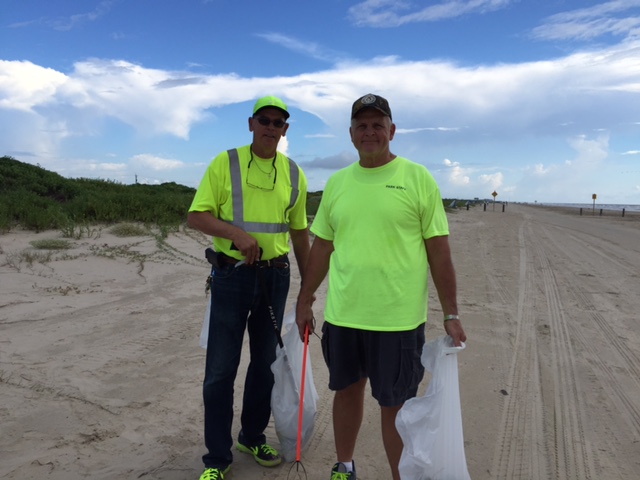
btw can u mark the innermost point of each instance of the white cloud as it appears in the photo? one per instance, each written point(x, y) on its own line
point(310, 49)
point(393, 13)
point(529, 97)
point(320, 135)
point(573, 179)
point(402, 131)
point(540, 170)
point(120, 36)
point(69, 22)
point(591, 22)
point(457, 175)
point(89, 168)
point(283, 145)
point(109, 167)
point(155, 163)
point(42, 109)
point(591, 152)
point(494, 180)
point(24, 85)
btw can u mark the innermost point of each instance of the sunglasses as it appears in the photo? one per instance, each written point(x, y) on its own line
point(277, 123)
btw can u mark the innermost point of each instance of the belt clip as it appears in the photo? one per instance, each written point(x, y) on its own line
point(261, 263)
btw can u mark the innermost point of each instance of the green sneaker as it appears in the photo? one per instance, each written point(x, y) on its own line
point(264, 454)
point(339, 472)
point(214, 473)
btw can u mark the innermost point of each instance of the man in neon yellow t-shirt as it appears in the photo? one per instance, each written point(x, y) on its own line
point(252, 201)
point(380, 228)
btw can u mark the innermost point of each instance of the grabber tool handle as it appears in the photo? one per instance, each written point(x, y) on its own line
point(302, 382)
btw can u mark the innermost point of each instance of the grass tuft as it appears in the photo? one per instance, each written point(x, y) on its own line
point(128, 230)
point(51, 244)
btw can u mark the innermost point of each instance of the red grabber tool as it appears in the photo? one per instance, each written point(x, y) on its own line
point(300, 473)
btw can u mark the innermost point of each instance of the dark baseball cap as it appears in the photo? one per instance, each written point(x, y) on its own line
point(371, 101)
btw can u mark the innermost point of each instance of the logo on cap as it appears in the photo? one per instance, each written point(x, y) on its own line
point(368, 99)
point(371, 101)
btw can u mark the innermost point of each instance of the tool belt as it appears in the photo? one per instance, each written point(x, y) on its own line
point(218, 258)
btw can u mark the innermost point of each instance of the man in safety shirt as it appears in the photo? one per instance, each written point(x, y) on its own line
point(252, 201)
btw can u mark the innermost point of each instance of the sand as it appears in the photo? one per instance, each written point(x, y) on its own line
point(100, 368)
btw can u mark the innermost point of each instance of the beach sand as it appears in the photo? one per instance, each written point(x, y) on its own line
point(100, 368)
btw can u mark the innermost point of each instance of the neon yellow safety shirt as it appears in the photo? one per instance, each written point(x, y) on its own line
point(377, 219)
point(263, 208)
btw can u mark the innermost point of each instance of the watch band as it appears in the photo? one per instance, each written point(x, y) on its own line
point(451, 317)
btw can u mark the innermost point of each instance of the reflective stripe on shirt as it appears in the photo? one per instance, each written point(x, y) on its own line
point(238, 200)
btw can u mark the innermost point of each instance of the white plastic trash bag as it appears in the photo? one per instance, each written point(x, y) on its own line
point(285, 396)
point(431, 425)
point(204, 333)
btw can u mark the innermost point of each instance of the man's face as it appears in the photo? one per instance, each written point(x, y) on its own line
point(371, 131)
point(268, 136)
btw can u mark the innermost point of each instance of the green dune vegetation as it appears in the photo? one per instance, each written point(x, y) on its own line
point(34, 198)
point(37, 199)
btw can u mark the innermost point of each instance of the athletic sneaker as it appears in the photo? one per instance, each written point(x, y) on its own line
point(264, 454)
point(339, 472)
point(214, 473)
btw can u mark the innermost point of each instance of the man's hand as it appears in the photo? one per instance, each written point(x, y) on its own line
point(455, 331)
point(210, 225)
point(247, 245)
point(304, 316)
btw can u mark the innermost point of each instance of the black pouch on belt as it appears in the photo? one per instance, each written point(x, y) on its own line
point(212, 256)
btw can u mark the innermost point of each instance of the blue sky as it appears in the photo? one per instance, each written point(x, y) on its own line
point(537, 100)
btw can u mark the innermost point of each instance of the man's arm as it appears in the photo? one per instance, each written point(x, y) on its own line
point(301, 248)
point(210, 225)
point(444, 278)
point(316, 270)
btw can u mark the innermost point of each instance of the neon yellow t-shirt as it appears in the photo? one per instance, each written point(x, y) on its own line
point(377, 219)
point(260, 204)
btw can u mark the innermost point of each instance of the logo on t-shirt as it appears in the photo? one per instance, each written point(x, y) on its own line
point(396, 187)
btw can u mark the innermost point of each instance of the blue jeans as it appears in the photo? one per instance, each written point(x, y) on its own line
point(238, 302)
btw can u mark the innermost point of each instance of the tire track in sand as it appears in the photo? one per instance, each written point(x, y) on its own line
point(573, 457)
point(518, 451)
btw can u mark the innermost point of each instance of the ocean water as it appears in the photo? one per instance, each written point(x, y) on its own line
point(598, 206)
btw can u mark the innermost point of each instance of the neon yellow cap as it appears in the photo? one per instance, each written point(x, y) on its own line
point(271, 101)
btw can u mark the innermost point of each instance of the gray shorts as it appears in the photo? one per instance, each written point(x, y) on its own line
point(390, 360)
